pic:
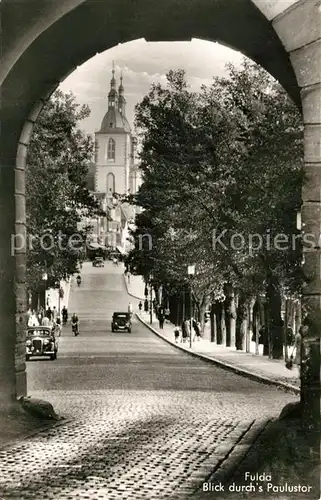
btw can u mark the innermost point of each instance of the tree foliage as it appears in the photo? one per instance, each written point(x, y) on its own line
point(225, 161)
point(57, 196)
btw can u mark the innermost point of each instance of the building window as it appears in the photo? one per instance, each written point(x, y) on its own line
point(110, 183)
point(111, 150)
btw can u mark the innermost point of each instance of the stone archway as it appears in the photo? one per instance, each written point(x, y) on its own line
point(43, 42)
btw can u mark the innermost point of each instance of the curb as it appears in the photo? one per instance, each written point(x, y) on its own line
point(129, 293)
point(52, 424)
point(226, 366)
point(226, 469)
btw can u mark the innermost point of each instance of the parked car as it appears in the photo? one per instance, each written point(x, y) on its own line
point(98, 262)
point(121, 321)
point(41, 341)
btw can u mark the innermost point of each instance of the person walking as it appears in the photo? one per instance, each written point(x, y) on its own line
point(33, 320)
point(161, 319)
point(146, 305)
point(197, 330)
point(49, 313)
point(64, 315)
point(45, 321)
point(187, 328)
point(140, 306)
point(176, 334)
point(184, 331)
point(300, 354)
point(75, 324)
point(58, 327)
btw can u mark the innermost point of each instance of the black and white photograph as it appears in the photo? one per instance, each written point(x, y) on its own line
point(160, 249)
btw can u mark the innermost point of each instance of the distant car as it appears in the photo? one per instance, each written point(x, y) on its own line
point(41, 341)
point(98, 262)
point(121, 321)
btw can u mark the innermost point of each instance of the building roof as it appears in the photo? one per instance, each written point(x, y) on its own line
point(114, 122)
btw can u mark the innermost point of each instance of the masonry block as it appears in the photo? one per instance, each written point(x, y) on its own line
point(300, 25)
point(311, 190)
point(312, 143)
point(306, 64)
point(311, 104)
point(272, 8)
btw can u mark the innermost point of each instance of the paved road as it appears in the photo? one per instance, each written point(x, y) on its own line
point(147, 421)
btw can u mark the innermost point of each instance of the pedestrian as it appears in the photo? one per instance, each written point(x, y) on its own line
point(49, 313)
point(176, 334)
point(161, 319)
point(45, 321)
point(33, 320)
point(184, 331)
point(187, 328)
point(167, 313)
point(64, 315)
point(197, 330)
point(58, 327)
point(146, 305)
point(289, 340)
point(54, 313)
point(140, 305)
point(299, 357)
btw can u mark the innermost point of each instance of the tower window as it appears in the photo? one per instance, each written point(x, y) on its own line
point(111, 151)
point(110, 183)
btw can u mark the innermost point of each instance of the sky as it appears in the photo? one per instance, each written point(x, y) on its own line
point(143, 63)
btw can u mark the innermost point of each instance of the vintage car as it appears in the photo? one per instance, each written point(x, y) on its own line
point(41, 341)
point(98, 262)
point(121, 321)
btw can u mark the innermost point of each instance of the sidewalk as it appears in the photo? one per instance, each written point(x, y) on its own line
point(52, 295)
point(271, 371)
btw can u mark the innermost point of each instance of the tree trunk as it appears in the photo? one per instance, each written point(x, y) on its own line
point(266, 334)
point(276, 324)
point(297, 316)
point(249, 331)
point(223, 326)
point(256, 324)
point(241, 323)
point(218, 318)
point(213, 323)
point(229, 314)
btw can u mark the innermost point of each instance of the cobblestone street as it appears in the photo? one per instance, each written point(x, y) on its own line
point(144, 420)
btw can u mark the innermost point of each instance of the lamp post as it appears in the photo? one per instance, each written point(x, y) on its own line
point(45, 278)
point(190, 273)
point(151, 299)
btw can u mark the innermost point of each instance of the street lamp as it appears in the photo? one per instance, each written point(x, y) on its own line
point(190, 273)
point(45, 278)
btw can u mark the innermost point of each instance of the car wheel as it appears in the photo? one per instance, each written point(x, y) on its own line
point(113, 329)
point(129, 330)
point(27, 357)
point(53, 356)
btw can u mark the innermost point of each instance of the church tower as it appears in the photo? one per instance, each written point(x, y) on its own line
point(113, 145)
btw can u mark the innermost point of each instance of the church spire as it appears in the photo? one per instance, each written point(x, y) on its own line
point(121, 100)
point(112, 96)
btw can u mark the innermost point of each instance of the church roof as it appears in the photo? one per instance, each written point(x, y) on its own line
point(114, 122)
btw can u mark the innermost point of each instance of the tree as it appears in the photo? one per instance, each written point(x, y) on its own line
point(225, 161)
point(57, 196)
